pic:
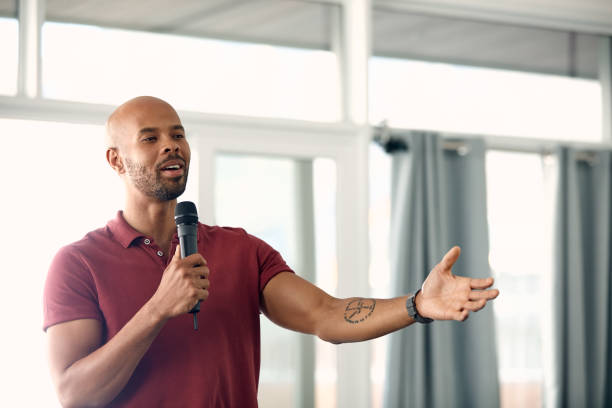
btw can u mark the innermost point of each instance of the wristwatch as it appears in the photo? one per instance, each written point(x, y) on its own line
point(412, 310)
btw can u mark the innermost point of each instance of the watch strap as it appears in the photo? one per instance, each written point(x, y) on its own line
point(412, 310)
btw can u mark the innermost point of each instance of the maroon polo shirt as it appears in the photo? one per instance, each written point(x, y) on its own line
point(113, 271)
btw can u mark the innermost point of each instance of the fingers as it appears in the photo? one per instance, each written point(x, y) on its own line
point(196, 267)
point(483, 294)
point(481, 283)
point(194, 264)
point(461, 315)
point(474, 306)
point(202, 282)
point(199, 271)
point(195, 259)
point(202, 295)
point(199, 293)
point(450, 258)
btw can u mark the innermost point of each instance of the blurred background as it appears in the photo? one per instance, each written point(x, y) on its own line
point(288, 107)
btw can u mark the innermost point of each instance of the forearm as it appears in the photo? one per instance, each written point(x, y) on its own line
point(95, 380)
point(296, 304)
point(358, 319)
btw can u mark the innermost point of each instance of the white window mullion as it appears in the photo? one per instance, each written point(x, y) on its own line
point(304, 396)
point(605, 79)
point(31, 19)
point(354, 49)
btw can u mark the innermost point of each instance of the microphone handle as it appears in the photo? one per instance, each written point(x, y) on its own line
point(189, 245)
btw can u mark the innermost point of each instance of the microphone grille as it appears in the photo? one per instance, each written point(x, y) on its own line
point(185, 213)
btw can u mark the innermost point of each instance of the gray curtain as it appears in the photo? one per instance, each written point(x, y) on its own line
point(581, 282)
point(439, 200)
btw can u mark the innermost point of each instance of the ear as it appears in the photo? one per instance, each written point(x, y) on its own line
point(114, 160)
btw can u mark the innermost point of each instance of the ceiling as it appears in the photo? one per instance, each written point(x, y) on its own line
point(310, 25)
point(289, 22)
point(8, 8)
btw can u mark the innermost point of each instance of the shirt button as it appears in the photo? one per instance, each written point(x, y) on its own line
point(160, 253)
point(147, 241)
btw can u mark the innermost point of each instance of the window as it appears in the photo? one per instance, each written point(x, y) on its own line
point(465, 76)
point(459, 76)
point(265, 195)
point(9, 33)
point(110, 65)
point(63, 185)
point(461, 99)
point(520, 207)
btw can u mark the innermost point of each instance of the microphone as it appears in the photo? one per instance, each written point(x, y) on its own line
point(186, 218)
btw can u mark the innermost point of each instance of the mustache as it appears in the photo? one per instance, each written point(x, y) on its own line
point(170, 158)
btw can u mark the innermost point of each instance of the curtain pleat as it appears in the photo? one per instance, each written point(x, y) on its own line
point(582, 287)
point(439, 200)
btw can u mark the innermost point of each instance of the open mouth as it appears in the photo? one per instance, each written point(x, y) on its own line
point(173, 169)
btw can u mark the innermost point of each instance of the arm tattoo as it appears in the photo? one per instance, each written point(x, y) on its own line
point(358, 310)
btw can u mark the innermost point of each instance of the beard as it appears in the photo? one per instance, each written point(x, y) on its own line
point(153, 185)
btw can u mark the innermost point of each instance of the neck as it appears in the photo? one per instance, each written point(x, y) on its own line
point(152, 218)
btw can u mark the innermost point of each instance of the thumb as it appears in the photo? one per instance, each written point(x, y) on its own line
point(177, 252)
point(450, 258)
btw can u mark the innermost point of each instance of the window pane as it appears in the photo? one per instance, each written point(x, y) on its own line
point(452, 98)
point(272, 191)
point(267, 184)
point(64, 186)
point(9, 50)
point(111, 65)
point(520, 227)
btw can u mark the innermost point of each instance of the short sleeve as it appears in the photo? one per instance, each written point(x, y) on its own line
point(270, 263)
point(70, 292)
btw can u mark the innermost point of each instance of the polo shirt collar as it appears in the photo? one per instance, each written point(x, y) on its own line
point(125, 233)
point(122, 231)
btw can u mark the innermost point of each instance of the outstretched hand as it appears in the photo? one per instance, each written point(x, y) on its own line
point(445, 296)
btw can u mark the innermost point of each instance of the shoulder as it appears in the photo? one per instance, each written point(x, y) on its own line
point(216, 229)
point(69, 282)
point(226, 233)
point(78, 257)
point(234, 237)
point(70, 292)
point(84, 246)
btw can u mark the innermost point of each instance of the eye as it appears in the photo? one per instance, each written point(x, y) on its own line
point(179, 136)
point(150, 139)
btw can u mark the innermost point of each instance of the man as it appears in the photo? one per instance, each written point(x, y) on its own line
point(116, 302)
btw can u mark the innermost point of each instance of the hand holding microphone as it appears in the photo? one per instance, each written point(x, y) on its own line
point(183, 284)
point(185, 281)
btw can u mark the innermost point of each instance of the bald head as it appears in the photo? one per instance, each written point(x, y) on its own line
point(134, 114)
point(147, 147)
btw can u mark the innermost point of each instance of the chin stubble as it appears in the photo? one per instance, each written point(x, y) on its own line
point(153, 185)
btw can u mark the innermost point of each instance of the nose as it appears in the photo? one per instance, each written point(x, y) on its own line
point(172, 145)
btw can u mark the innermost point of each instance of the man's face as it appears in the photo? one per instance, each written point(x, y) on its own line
point(154, 150)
